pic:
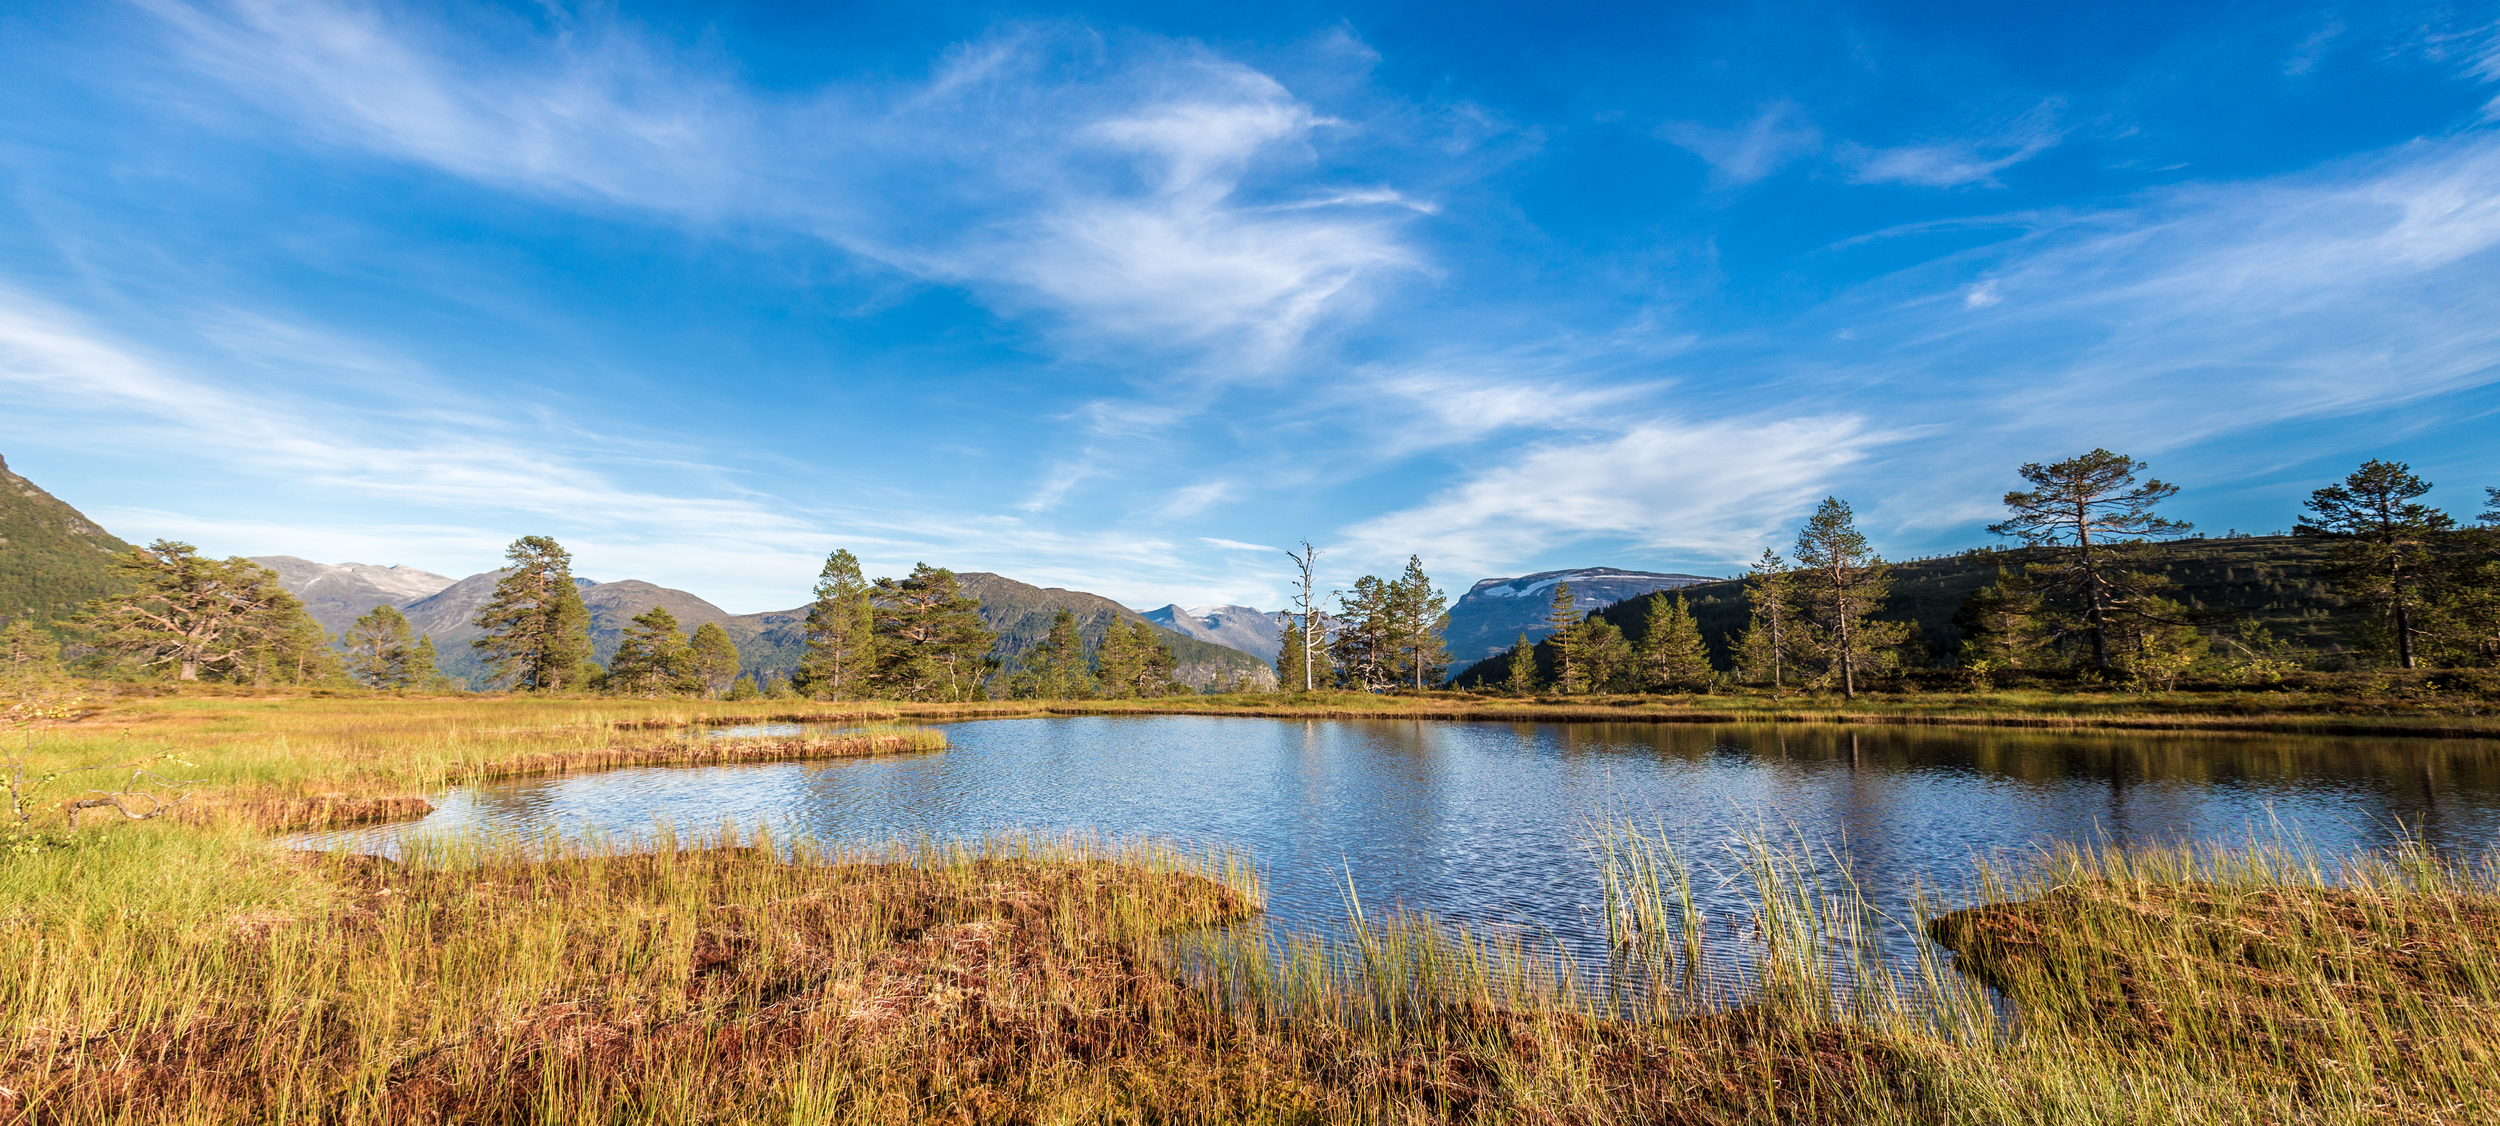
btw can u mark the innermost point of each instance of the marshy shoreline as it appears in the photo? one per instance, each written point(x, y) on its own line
point(180, 969)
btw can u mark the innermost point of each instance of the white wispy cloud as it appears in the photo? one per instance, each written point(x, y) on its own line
point(2343, 290)
point(1709, 489)
point(2358, 289)
point(1964, 160)
point(447, 489)
point(589, 110)
point(1753, 150)
point(1111, 197)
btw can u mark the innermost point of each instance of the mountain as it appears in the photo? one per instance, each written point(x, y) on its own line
point(449, 615)
point(1020, 615)
point(1494, 612)
point(52, 558)
point(337, 594)
point(1256, 632)
point(771, 643)
point(2272, 579)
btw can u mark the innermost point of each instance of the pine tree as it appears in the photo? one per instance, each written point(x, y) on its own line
point(929, 638)
point(2463, 616)
point(1607, 662)
point(1365, 649)
point(1158, 663)
point(2085, 512)
point(537, 630)
point(2155, 646)
point(1054, 668)
point(285, 645)
point(1750, 648)
point(1522, 678)
point(1117, 662)
point(186, 612)
point(1840, 583)
point(1135, 662)
point(2383, 539)
point(1563, 641)
point(422, 671)
point(1419, 616)
point(1291, 657)
point(2004, 624)
point(1673, 656)
point(652, 658)
point(1771, 591)
point(743, 689)
point(841, 633)
point(382, 651)
point(712, 659)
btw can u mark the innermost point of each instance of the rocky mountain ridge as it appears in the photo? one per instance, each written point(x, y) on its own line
point(1494, 612)
point(1260, 633)
point(1021, 614)
point(336, 594)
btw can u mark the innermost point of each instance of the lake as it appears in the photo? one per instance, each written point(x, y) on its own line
point(1486, 823)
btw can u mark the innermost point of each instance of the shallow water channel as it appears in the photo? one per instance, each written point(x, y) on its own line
point(1486, 824)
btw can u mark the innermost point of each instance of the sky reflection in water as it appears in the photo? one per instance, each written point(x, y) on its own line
point(1486, 823)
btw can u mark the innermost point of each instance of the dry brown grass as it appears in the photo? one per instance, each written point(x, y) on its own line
point(185, 972)
point(294, 762)
point(1064, 982)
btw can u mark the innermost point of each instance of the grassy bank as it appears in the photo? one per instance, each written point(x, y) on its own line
point(182, 970)
point(167, 973)
point(302, 761)
point(2414, 711)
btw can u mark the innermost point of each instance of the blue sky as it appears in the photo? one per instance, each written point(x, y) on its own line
point(1127, 298)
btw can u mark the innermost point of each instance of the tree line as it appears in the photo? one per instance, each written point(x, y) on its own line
point(1383, 634)
point(921, 638)
point(2081, 602)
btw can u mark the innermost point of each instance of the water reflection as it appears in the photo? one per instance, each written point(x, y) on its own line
point(1484, 822)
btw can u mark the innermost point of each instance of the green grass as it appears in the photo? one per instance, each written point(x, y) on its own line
point(291, 762)
point(187, 972)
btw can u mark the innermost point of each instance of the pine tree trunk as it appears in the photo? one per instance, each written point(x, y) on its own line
point(2092, 582)
point(2404, 619)
point(1848, 655)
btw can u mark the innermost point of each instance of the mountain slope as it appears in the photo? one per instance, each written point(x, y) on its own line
point(1494, 612)
point(336, 594)
point(1021, 614)
point(1256, 632)
point(769, 643)
point(450, 616)
point(52, 558)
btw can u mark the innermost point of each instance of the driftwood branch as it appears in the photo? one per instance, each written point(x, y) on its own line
point(150, 803)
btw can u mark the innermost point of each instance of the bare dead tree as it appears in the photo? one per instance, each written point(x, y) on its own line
point(1306, 562)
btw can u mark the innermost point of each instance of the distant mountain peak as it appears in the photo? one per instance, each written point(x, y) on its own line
point(1244, 628)
point(1494, 612)
point(1545, 580)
